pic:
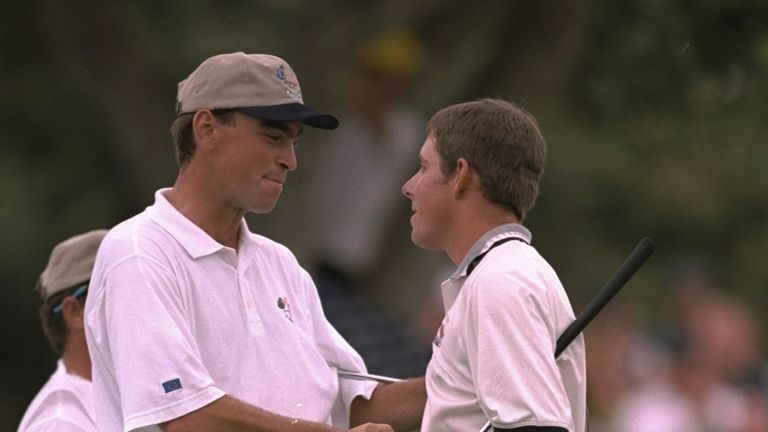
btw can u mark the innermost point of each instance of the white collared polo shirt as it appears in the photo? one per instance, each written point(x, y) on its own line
point(493, 356)
point(63, 404)
point(175, 320)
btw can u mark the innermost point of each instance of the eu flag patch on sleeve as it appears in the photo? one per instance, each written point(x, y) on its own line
point(172, 385)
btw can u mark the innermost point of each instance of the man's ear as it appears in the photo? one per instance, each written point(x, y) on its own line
point(73, 312)
point(204, 127)
point(464, 176)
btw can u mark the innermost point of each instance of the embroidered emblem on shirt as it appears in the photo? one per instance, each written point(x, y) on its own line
point(282, 303)
point(172, 385)
point(440, 333)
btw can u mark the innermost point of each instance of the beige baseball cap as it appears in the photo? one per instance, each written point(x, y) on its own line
point(260, 85)
point(70, 264)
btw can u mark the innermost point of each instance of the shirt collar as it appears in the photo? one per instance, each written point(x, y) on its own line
point(192, 238)
point(485, 242)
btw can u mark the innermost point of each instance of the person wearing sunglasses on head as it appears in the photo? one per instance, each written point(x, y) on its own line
point(65, 402)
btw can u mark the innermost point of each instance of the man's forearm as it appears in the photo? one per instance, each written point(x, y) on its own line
point(230, 414)
point(399, 404)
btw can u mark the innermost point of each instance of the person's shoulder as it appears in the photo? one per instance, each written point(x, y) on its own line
point(58, 407)
point(268, 246)
point(59, 424)
point(130, 234)
point(512, 269)
point(68, 393)
point(527, 256)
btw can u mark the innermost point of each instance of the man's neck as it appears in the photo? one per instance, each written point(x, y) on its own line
point(472, 229)
point(76, 359)
point(222, 225)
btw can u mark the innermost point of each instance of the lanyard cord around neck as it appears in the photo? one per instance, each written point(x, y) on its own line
point(480, 257)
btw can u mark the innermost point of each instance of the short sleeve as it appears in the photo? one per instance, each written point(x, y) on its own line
point(146, 346)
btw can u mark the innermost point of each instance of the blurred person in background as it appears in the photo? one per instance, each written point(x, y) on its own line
point(621, 355)
point(367, 159)
point(355, 205)
point(65, 403)
point(715, 379)
point(493, 356)
point(195, 322)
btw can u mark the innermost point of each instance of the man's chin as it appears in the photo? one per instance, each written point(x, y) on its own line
point(423, 242)
point(263, 208)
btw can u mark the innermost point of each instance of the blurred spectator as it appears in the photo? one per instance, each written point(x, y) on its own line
point(357, 202)
point(364, 163)
point(620, 356)
point(65, 402)
point(716, 381)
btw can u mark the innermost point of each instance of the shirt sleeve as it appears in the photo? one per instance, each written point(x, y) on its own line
point(147, 345)
point(510, 348)
point(339, 355)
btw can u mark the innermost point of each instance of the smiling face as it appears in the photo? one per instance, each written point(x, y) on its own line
point(431, 197)
point(253, 158)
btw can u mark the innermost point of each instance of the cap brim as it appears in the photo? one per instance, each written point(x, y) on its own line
point(293, 112)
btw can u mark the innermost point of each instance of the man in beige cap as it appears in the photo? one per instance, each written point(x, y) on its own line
point(65, 403)
point(196, 323)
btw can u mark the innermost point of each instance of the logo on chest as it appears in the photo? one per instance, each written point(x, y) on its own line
point(282, 303)
point(440, 333)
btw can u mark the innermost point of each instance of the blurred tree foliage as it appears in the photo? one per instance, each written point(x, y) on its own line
point(664, 134)
point(654, 113)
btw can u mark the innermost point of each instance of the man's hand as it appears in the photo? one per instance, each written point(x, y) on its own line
point(373, 427)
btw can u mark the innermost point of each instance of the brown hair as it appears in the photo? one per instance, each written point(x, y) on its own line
point(184, 136)
point(501, 142)
point(54, 327)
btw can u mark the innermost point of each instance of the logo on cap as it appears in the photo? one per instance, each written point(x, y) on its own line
point(281, 73)
point(290, 81)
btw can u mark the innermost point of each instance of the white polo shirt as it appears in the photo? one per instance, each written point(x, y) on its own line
point(493, 357)
point(175, 320)
point(63, 404)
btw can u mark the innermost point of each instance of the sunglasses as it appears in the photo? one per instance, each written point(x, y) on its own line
point(79, 292)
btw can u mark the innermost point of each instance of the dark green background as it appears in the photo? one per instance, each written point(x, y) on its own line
point(654, 112)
